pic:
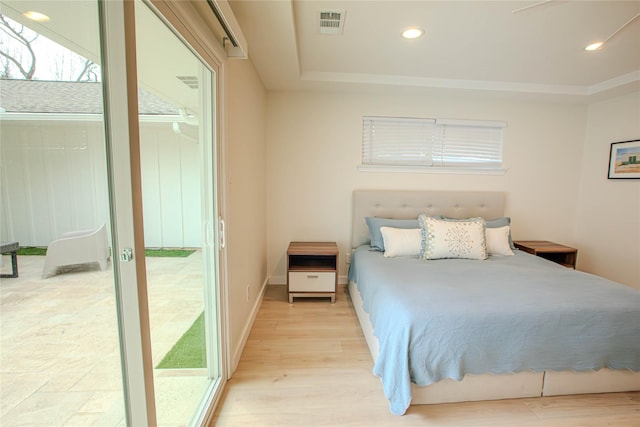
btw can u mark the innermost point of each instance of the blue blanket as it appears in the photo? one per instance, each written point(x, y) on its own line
point(447, 318)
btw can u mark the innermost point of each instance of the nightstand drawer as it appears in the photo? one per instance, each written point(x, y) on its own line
point(311, 281)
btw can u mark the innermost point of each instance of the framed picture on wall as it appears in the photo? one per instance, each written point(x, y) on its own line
point(624, 160)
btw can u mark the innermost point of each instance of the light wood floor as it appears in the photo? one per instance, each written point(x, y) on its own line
point(307, 364)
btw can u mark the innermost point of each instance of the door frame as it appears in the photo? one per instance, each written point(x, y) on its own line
point(190, 25)
point(118, 46)
point(117, 30)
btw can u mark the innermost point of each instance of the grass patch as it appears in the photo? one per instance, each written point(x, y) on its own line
point(189, 351)
point(31, 250)
point(175, 253)
point(178, 253)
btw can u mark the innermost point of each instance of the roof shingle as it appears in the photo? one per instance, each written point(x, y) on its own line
point(44, 96)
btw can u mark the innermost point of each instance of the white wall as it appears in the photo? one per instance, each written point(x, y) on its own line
point(608, 220)
point(170, 187)
point(314, 143)
point(245, 111)
point(54, 180)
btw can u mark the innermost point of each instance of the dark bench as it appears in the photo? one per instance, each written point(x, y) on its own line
point(11, 248)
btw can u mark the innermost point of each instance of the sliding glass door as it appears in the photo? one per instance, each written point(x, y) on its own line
point(131, 337)
point(177, 148)
point(60, 359)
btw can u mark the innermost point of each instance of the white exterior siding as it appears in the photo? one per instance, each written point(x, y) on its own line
point(53, 180)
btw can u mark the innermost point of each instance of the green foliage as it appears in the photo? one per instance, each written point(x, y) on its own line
point(181, 253)
point(189, 351)
point(32, 251)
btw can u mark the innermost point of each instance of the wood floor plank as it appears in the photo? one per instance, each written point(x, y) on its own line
point(307, 364)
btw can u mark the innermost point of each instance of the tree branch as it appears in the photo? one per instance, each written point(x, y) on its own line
point(86, 69)
point(18, 35)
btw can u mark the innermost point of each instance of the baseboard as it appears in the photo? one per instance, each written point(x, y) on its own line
point(237, 354)
point(274, 280)
point(278, 280)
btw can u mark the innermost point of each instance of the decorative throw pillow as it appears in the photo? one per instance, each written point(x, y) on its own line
point(422, 217)
point(452, 239)
point(498, 241)
point(501, 222)
point(399, 242)
point(374, 224)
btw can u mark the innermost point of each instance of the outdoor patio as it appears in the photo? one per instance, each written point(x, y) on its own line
point(60, 361)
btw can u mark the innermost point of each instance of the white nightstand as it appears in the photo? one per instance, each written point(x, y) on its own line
point(312, 270)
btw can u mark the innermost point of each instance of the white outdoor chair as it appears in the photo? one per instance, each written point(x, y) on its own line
point(77, 247)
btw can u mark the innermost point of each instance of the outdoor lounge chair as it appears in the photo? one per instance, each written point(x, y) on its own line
point(78, 247)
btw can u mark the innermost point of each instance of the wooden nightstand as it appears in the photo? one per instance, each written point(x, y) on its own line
point(563, 255)
point(312, 270)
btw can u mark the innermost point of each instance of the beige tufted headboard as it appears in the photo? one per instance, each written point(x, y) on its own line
point(410, 204)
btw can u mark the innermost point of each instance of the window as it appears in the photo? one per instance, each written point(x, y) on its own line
point(415, 144)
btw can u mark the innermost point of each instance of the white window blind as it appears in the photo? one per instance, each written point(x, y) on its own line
point(393, 141)
point(432, 143)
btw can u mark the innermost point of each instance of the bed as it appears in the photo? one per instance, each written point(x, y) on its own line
point(522, 327)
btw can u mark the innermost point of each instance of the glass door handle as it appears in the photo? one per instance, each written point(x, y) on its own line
point(126, 255)
point(223, 237)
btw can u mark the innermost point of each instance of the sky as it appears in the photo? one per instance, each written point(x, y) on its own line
point(623, 152)
point(53, 61)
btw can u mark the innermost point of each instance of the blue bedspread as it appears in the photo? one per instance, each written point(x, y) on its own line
point(447, 318)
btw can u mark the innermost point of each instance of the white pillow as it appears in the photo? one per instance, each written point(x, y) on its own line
point(453, 239)
point(401, 242)
point(498, 241)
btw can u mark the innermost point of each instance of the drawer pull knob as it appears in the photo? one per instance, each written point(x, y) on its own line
point(312, 276)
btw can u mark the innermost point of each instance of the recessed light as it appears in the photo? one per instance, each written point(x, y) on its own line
point(594, 46)
point(36, 16)
point(412, 33)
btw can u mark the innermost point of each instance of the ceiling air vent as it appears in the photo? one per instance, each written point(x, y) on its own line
point(331, 21)
point(191, 81)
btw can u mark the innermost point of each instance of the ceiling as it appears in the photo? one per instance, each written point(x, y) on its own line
point(162, 59)
point(468, 45)
point(479, 46)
